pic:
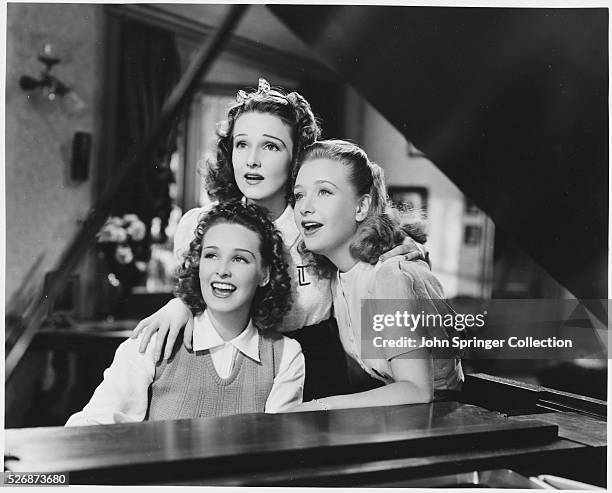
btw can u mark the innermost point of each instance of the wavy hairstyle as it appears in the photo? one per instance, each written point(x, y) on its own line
point(272, 301)
point(384, 227)
point(291, 108)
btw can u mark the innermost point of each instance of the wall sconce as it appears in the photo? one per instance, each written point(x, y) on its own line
point(50, 85)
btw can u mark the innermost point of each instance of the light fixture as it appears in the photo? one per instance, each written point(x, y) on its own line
point(50, 85)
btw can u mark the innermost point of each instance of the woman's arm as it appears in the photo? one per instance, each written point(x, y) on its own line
point(123, 394)
point(412, 371)
point(413, 385)
point(167, 322)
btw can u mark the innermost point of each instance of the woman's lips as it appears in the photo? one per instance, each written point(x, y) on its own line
point(310, 227)
point(222, 289)
point(253, 178)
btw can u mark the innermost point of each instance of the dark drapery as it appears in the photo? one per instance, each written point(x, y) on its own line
point(149, 68)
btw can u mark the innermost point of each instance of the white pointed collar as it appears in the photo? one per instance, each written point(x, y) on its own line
point(205, 336)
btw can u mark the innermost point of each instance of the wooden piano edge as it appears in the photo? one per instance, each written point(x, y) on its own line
point(512, 397)
point(587, 464)
point(529, 460)
point(324, 464)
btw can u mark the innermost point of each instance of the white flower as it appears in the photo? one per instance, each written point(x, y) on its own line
point(124, 254)
point(112, 233)
point(112, 279)
point(136, 230)
point(114, 220)
point(129, 218)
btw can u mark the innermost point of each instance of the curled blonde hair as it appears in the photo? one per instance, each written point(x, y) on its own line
point(384, 226)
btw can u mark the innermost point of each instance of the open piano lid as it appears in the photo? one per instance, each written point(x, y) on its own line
point(511, 104)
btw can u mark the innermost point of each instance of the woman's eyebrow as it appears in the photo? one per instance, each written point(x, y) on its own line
point(318, 182)
point(264, 135)
point(245, 250)
point(276, 138)
point(213, 247)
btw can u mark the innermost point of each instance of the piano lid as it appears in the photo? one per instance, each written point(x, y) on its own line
point(512, 104)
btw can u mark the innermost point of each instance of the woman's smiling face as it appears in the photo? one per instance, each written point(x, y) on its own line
point(261, 157)
point(326, 207)
point(231, 267)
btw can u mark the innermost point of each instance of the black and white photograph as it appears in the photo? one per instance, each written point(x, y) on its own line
point(306, 245)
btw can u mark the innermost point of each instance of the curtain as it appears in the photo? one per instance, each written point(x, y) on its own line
point(149, 68)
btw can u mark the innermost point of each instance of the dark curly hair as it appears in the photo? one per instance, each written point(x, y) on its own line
point(272, 301)
point(384, 227)
point(291, 108)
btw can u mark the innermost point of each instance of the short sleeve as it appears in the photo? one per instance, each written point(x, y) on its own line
point(398, 278)
point(412, 282)
point(185, 231)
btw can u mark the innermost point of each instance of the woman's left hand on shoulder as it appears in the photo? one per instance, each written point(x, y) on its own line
point(410, 249)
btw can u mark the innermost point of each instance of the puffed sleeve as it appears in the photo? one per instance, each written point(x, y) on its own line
point(185, 231)
point(421, 294)
point(398, 278)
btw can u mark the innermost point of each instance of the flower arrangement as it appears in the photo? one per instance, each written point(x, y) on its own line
point(122, 242)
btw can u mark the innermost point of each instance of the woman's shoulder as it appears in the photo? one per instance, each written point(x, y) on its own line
point(128, 350)
point(286, 350)
point(276, 338)
point(399, 266)
point(195, 213)
point(398, 274)
point(290, 346)
point(186, 227)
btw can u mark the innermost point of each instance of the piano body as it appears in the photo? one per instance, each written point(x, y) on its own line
point(526, 429)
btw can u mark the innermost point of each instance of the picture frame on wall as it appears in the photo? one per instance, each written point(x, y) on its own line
point(410, 198)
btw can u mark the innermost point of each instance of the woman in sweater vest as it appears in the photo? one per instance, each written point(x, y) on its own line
point(234, 280)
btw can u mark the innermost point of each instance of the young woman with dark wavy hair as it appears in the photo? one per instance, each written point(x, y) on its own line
point(234, 280)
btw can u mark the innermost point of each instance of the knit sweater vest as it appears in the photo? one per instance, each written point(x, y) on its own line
point(188, 386)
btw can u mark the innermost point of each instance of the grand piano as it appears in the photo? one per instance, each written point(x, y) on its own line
point(526, 137)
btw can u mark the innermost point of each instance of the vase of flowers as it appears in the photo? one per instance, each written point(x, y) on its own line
point(121, 242)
